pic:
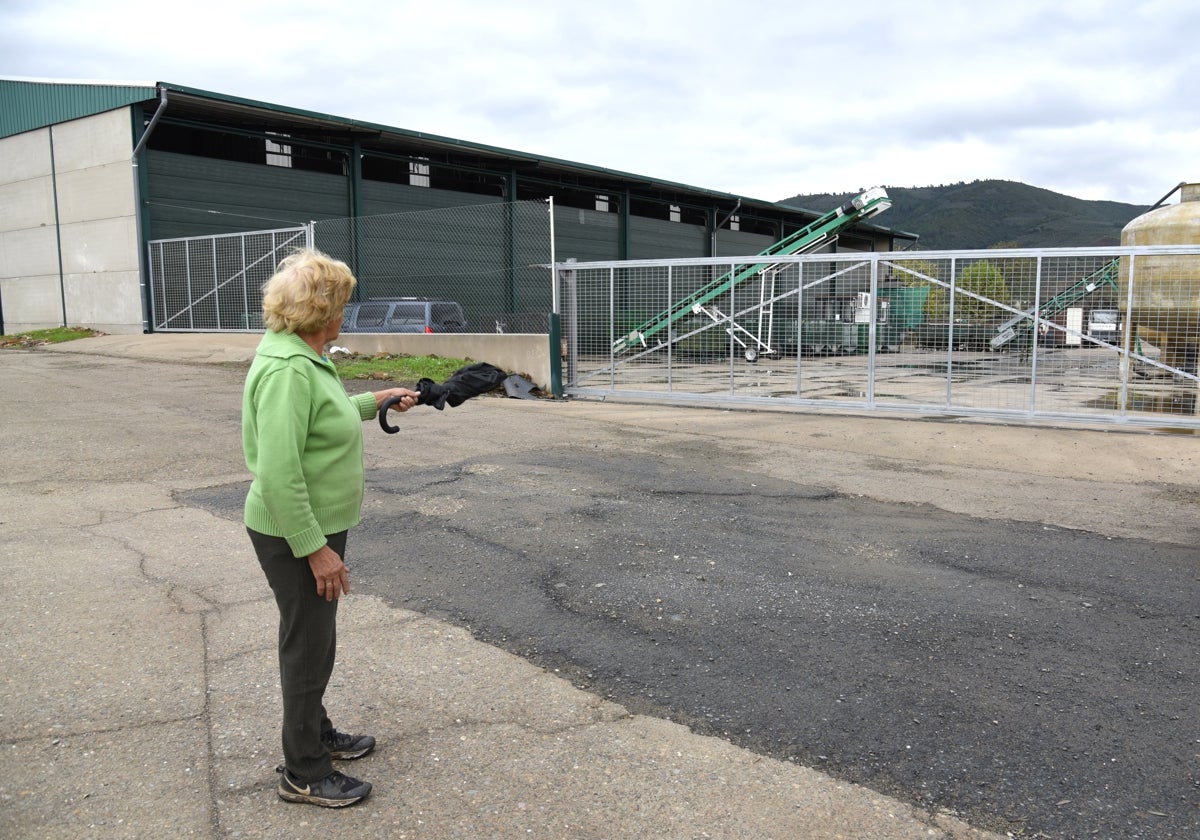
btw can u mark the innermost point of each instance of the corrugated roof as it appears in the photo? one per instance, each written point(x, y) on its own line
point(26, 104)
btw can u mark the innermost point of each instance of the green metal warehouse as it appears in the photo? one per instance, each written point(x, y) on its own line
point(91, 173)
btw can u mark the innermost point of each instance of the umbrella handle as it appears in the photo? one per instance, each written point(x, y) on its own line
point(383, 410)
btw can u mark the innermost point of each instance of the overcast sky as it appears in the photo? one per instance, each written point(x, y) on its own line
point(1090, 98)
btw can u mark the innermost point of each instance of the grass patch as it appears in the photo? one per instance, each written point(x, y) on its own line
point(54, 335)
point(384, 367)
point(397, 368)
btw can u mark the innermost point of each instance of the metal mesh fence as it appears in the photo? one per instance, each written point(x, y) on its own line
point(492, 259)
point(1088, 334)
point(214, 283)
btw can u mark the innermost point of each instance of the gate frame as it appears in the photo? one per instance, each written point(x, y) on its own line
point(605, 387)
point(157, 271)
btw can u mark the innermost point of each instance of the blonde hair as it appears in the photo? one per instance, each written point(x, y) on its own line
point(307, 291)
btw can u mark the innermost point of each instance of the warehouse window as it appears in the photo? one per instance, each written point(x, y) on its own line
point(269, 148)
point(278, 154)
point(212, 144)
point(667, 211)
point(418, 173)
point(425, 173)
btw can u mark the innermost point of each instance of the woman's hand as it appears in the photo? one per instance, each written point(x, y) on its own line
point(407, 398)
point(333, 578)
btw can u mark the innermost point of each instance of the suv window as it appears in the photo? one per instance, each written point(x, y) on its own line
point(408, 314)
point(449, 316)
point(404, 316)
point(371, 315)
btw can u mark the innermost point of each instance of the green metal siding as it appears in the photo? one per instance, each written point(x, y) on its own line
point(382, 197)
point(657, 239)
point(446, 245)
point(26, 105)
point(586, 235)
point(200, 196)
point(736, 243)
point(437, 249)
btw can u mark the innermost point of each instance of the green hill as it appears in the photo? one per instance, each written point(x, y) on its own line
point(983, 214)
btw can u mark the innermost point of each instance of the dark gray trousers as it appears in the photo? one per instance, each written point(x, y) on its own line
point(307, 644)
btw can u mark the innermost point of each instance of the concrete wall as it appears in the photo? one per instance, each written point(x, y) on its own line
point(88, 264)
point(526, 354)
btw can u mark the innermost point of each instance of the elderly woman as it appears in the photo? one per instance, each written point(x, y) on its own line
point(302, 437)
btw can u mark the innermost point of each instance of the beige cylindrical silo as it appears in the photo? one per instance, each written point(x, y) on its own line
point(1166, 290)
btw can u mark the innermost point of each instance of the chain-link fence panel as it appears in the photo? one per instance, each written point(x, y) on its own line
point(491, 259)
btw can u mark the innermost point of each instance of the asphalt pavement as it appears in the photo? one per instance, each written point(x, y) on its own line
point(140, 692)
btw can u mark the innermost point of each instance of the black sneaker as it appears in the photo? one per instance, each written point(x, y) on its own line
point(334, 791)
point(344, 747)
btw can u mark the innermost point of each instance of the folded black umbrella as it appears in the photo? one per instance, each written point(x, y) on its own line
point(464, 383)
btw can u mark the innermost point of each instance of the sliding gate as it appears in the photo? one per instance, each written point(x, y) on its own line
point(1108, 335)
point(214, 283)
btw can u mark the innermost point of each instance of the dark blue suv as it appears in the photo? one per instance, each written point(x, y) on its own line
point(404, 315)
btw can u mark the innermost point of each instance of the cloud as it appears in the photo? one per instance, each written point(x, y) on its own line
point(767, 99)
